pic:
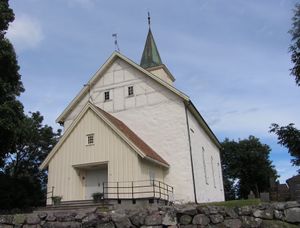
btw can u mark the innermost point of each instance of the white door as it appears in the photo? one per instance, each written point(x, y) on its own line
point(94, 181)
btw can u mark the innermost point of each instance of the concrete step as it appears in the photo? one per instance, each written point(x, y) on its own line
point(76, 205)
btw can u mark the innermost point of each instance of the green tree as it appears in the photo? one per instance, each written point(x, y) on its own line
point(295, 46)
point(22, 165)
point(24, 140)
point(289, 137)
point(6, 16)
point(247, 163)
point(11, 110)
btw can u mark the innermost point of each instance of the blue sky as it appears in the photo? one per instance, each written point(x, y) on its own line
point(230, 57)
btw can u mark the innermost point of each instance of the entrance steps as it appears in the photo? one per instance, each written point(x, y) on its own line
point(78, 205)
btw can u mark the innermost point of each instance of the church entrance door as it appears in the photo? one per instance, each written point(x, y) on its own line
point(94, 181)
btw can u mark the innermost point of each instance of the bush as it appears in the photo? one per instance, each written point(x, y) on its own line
point(97, 196)
point(56, 200)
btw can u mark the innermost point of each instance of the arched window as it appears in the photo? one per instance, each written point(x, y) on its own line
point(212, 169)
point(204, 165)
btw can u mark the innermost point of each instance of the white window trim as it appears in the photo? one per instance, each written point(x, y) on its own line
point(87, 139)
point(109, 96)
point(130, 95)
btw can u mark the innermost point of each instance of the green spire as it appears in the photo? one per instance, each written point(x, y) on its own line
point(150, 57)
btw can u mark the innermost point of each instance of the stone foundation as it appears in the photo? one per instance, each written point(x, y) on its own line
point(275, 215)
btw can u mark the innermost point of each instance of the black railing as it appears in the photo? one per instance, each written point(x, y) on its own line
point(153, 189)
point(50, 194)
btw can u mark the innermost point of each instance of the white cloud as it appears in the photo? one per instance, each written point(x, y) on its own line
point(25, 32)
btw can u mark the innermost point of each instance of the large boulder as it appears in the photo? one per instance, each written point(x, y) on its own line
point(121, 220)
point(245, 210)
point(169, 219)
point(232, 223)
point(230, 212)
point(106, 225)
point(201, 219)
point(187, 209)
point(278, 214)
point(278, 205)
point(90, 220)
point(62, 225)
point(138, 218)
point(6, 219)
point(33, 219)
point(264, 214)
point(19, 219)
point(276, 224)
point(250, 222)
point(42, 215)
point(291, 204)
point(216, 218)
point(292, 215)
point(62, 216)
point(213, 209)
point(203, 210)
point(154, 219)
point(50, 218)
point(185, 219)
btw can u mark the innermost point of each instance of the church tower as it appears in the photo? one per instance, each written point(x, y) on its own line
point(151, 60)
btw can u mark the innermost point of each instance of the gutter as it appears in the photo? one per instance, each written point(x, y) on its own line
point(191, 155)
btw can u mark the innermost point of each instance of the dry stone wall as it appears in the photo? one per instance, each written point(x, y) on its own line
point(275, 215)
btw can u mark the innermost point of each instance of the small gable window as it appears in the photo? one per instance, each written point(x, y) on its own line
point(90, 139)
point(106, 95)
point(130, 91)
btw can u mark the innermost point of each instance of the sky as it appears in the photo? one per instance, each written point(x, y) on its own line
point(230, 57)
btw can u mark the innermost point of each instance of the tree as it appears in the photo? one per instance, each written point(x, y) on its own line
point(289, 137)
point(11, 110)
point(295, 46)
point(21, 170)
point(6, 16)
point(247, 163)
point(24, 140)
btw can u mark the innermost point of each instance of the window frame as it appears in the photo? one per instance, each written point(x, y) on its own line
point(108, 94)
point(130, 91)
point(213, 171)
point(90, 139)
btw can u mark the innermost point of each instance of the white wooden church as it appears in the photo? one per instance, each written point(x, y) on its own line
point(129, 133)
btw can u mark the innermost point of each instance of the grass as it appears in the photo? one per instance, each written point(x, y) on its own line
point(235, 203)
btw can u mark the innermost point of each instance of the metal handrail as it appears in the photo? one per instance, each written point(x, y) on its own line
point(50, 192)
point(132, 190)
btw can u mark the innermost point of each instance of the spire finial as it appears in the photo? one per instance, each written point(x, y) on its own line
point(115, 35)
point(149, 19)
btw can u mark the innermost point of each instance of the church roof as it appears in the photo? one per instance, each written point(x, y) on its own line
point(150, 57)
point(102, 70)
point(121, 129)
point(105, 66)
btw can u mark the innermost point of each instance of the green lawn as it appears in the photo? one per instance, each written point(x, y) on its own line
point(235, 203)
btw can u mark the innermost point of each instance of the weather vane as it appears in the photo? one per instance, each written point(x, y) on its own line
point(115, 35)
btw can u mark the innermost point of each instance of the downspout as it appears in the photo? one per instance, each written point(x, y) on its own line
point(191, 155)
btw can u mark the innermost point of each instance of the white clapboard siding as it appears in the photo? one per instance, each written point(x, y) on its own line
point(124, 164)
